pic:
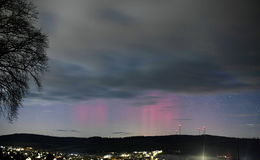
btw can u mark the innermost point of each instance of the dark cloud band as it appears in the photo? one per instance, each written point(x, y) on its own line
point(119, 50)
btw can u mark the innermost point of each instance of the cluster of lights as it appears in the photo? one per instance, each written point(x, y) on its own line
point(32, 154)
point(225, 156)
point(134, 155)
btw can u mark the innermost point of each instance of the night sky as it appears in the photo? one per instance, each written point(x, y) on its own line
point(142, 67)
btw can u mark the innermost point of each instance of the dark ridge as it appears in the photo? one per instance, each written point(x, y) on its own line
point(171, 144)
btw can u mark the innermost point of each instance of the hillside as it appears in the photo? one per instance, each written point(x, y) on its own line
point(173, 144)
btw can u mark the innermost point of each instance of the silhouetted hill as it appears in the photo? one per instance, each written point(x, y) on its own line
point(173, 144)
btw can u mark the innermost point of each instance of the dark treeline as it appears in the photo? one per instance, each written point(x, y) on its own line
point(174, 144)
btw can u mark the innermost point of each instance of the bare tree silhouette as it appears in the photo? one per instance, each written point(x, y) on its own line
point(22, 53)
